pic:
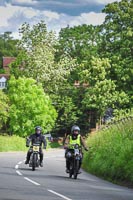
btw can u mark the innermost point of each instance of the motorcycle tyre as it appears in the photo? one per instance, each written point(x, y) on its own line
point(34, 159)
point(71, 170)
point(76, 168)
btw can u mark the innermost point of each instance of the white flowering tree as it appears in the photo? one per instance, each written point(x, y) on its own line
point(37, 57)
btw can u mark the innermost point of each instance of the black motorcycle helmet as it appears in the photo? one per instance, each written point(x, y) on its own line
point(38, 129)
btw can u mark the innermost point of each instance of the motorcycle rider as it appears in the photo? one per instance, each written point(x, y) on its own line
point(71, 139)
point(36, 138)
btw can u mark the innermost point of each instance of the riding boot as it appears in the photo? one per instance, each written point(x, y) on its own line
point(79, 171)
point(28, 158)
point(41, 159)
point(67, 166)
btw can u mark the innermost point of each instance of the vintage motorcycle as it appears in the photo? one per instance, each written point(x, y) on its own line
point(35, 157)
point(75, 159)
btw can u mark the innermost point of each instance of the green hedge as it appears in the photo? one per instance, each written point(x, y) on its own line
point(12, 143)
point(111, 153)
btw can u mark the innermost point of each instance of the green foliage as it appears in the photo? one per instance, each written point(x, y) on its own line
point(2, 71)
point(80, 43)
point(37, 59)
point(116, 43)
point(12, 143)
point(53, 145)
point(111, 152)
point(99, 56)
point(16, 143)
point(66, 107)
point(4, 108)
point(102, 91)
point(7, 46)
point(104, 56)
point(30, 107)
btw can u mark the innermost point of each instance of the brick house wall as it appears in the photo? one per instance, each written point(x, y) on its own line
point(4, 77)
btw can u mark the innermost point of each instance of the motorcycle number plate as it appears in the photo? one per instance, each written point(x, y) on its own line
point(35, 148)
point(76, 151)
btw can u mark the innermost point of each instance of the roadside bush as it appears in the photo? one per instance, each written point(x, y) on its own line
point(111, 153)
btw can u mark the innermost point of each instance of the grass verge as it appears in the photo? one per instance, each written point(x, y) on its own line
point(12, 143)
point(111, 154)
point(16, 143)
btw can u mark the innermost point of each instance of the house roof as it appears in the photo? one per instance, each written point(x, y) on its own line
point(3, 79)
point(5, 76)
point(7, 61)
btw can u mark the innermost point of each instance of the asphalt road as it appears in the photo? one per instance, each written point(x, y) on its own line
point(19, 182)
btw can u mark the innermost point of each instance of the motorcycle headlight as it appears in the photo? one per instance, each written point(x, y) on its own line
point(76, 146)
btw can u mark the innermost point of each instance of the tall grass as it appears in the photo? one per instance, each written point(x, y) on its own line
point(12, 143)
point(16, 143)
point(111, 153)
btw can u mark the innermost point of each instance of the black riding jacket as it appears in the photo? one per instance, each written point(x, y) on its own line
point(37, 139)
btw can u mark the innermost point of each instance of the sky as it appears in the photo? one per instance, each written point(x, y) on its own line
point(56, 14)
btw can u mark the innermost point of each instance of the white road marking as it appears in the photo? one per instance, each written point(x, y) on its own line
point(37, 184)
point(60, 195)
point(18, 172)
point(16, 167)
point(31, 181)
point(20, 162)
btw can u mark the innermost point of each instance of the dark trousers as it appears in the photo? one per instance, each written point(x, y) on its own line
point(30, 152)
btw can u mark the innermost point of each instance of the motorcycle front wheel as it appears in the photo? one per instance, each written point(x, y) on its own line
point(34, 159)
point(71, 170)
point(76, 168)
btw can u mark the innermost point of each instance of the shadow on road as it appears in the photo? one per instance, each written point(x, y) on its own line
point(81, 180)
point(26, 169)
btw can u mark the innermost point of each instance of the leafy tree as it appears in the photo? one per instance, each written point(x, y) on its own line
point(103, 57)
point(80, 43)
point(67, 110)
point(108, 79)
point(117, 43)
point(102, 92)
point(4, 107)
point(37, 58)
point(30, 106)
point(7, 46)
